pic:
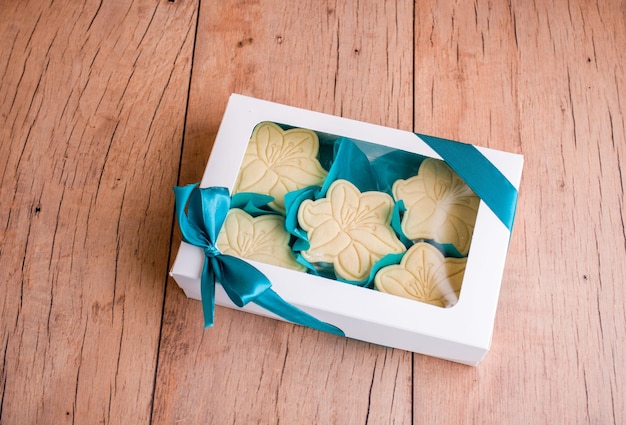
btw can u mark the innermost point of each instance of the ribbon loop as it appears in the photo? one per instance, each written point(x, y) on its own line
point(200, 226)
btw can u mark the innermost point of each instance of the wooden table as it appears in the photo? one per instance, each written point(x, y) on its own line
point(106, 105)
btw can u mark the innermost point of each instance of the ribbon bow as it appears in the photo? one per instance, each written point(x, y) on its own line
point(243, 283)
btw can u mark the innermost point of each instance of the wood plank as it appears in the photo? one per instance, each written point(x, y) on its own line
point(346, 58)
point(546, 80)
point(93, 97)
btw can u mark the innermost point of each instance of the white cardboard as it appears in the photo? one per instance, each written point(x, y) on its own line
point(461, 333)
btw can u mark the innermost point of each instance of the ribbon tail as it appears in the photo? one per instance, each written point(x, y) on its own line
point(207, 292)
point(271, 301)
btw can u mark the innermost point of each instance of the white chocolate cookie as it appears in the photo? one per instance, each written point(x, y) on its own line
point(277, 162)
point(262, 239)
point(440, 206)
point(424, 275)
point(349, 229)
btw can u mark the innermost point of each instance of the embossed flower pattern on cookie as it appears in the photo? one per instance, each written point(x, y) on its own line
point(262, 239)
point(424, 275)
point(440, 205)
point(349, 230)
point(278, 161)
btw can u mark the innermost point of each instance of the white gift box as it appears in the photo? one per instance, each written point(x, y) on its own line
point(461, 333)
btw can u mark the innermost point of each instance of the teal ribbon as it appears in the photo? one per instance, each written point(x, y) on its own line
point(480, 174)
point(243, 283)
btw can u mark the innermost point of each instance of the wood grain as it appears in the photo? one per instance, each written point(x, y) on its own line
point(93, 102)
point(105, 105)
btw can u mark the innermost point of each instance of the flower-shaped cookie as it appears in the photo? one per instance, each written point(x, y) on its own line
point(349, 230)
point(440, 206)
point(278, 161)
point(424, 275)
point(262, 239)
